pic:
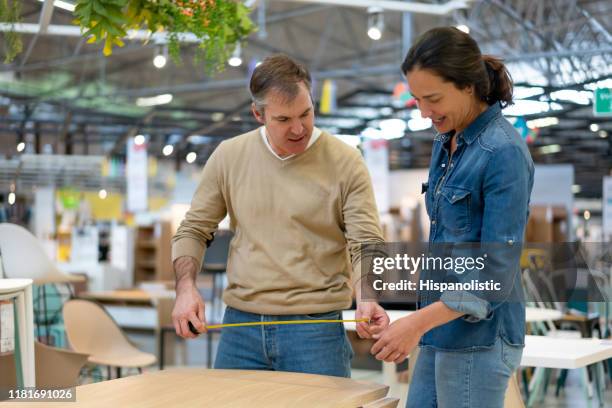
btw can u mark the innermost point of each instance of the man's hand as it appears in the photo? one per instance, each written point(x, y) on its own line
point(398, 340)
point(189, 305)
point(378, 319)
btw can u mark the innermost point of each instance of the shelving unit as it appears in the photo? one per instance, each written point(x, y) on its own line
point(152, 252)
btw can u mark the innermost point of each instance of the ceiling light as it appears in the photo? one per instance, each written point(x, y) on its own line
point(351, 140)
point(102, 194)
point(161, 56)
point(524, 107)
point(393, 128)
point(594, 127)
point(376, 23)
point(236, 58)
point(167, 150)
point(139, 140)
point(522, 92)
point(542, 122)
point(416, 124)
point(11, 198)
point(154, 100)
point(62, 4)
point(571, 95)
point(603, 134)
point(191, 157)
point(550, 149)
point(464, 28)
point(20, 146)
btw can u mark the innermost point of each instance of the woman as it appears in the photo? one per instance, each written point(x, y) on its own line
point(480, 180)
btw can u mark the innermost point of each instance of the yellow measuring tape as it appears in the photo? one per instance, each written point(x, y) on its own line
point(267, 323)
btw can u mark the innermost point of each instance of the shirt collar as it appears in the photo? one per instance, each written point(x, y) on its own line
point(316, 132)
point(474, 129)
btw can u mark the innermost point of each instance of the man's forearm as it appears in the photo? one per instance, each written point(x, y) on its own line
point(185, 271)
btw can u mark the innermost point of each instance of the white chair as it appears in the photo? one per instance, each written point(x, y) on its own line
point(23, 256)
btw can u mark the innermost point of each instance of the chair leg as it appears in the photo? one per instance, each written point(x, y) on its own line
point(140, 370)
point(118, 371)
point(162, 333)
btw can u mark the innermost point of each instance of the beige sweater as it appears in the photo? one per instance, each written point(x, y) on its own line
point(293, 221)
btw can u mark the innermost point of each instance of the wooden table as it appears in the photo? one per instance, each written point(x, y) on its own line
point(193, 387)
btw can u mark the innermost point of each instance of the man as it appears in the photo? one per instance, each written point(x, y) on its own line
point(296, 196)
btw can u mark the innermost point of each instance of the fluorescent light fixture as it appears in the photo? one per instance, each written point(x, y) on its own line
point(102, 194)
point(154, 100)
point(393, 128)
point(236, 58)
point(191, 157)
point(139, 140)
point(464, 28)
point(527, 107)
point(20, 146)
point(167, 150)
point(416, 124)
point(63, 5)
point(376, 23)
point(542, 122)
point(522, 92)
point(11, 198)
point(576, 188)
point(603, 134)
point(604, 83)
point(571, 95)
point(372, 133)
point(594, 127)
point(550, 149)
point(351, 140)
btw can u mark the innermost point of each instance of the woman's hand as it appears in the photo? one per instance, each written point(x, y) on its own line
point(398, 340)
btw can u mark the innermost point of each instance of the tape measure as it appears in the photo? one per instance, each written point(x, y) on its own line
point(277, 322)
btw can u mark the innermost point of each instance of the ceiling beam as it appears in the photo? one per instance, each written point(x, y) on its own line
point(393, 5)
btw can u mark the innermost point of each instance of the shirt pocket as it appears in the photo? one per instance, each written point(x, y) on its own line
point(455, 208)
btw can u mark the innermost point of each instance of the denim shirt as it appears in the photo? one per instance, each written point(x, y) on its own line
point(481, 195)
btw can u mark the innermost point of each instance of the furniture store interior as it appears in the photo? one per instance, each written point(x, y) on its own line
point(189, 192)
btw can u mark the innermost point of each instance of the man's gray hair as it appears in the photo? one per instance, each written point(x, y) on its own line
point(281, 74)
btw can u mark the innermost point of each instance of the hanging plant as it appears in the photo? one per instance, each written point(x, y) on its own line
point(10, 12)
point(218, 24)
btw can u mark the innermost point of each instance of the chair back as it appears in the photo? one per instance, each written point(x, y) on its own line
point(91, 330)
point(23, 256)
point(55, 367)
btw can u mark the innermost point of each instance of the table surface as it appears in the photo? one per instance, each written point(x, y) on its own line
point(129, 295)
point(195, 387)
point(555, 352)
point(12, 285)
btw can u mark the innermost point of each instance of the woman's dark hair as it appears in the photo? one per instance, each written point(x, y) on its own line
point(454, 56)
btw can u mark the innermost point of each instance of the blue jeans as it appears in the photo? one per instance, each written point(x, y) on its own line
point(306, 348)
point(460, 379)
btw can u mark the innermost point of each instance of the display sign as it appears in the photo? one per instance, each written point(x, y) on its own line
point(137, 173)
point(602, 102)
point(376, 154)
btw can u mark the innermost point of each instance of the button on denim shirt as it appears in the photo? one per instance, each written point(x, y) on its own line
point(481, 195)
